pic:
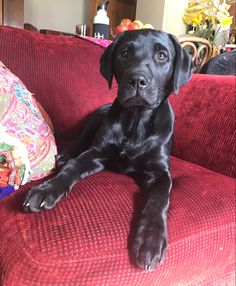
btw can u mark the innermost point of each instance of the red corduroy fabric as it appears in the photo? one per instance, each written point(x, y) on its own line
point(205, 123)
point(63, 72)
point(83, 241)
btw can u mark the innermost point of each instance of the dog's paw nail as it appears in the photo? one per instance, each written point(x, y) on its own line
point(148, 267)
point(26, 207)
point(42, 204)
point(123, 154)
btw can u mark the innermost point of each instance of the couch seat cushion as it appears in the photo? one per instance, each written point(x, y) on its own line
point(83, 241)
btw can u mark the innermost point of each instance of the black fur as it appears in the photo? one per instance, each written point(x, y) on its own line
point(131, 136)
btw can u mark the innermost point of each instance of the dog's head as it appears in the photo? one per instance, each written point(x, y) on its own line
point(147, 65)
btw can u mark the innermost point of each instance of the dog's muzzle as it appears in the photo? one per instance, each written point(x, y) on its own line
point(137, 89)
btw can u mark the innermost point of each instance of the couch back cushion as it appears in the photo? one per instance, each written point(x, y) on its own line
point(205, 123)
point(62, 72)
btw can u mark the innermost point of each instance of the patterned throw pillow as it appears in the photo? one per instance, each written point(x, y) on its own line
point(27, 144)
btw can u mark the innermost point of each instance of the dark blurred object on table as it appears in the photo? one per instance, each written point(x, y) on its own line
point(223, 64)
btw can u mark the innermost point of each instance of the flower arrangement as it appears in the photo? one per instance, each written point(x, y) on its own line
point(208, 19)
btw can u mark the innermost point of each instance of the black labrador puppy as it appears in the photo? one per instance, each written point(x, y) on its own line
point(131, 136)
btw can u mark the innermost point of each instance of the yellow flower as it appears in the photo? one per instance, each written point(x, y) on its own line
point(227, 21)
point(196, 21)
point(191, 19)
point(212, 10)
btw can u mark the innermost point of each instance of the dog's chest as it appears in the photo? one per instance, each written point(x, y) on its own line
point(134, 133)
point(136, 126)
point(128, 140)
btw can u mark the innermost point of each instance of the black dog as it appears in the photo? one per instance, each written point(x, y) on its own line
point(132, 136)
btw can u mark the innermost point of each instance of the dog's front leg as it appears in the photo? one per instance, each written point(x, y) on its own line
point(150, 241)
point(47, 194)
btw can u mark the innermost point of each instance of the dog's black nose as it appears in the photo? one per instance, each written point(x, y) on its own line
point(138, 81)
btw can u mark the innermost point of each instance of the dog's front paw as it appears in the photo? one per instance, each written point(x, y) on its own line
point(149, 245)
point(44, 196)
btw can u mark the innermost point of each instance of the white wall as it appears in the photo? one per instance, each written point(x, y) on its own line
point(151, 12)
point(173, 13)
point(165, 15)
point(61, 15)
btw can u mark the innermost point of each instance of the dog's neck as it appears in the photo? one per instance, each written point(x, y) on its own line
point(135, 121)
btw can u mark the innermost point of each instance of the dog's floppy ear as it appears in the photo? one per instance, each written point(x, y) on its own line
point(182, 66)
point(107, 64)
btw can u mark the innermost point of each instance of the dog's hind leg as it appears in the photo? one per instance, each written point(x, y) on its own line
point(85, 138)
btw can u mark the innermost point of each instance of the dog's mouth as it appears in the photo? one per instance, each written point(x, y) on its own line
point(134, 101)
point(138, 100)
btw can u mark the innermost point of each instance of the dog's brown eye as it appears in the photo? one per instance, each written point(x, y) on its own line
point(161, 56)
point(124, 53)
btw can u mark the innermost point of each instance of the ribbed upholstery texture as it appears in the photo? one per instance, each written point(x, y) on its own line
point(84, 240)
point(63, 72)
point(205, 125)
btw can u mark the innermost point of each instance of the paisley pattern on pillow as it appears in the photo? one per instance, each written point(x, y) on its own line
point(27, 144)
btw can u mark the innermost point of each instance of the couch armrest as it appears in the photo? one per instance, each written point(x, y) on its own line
point(205, 123)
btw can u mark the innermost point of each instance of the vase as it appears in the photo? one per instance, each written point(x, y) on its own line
point(221, 36)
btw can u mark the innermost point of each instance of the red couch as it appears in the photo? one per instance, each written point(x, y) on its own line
point(83, 241)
